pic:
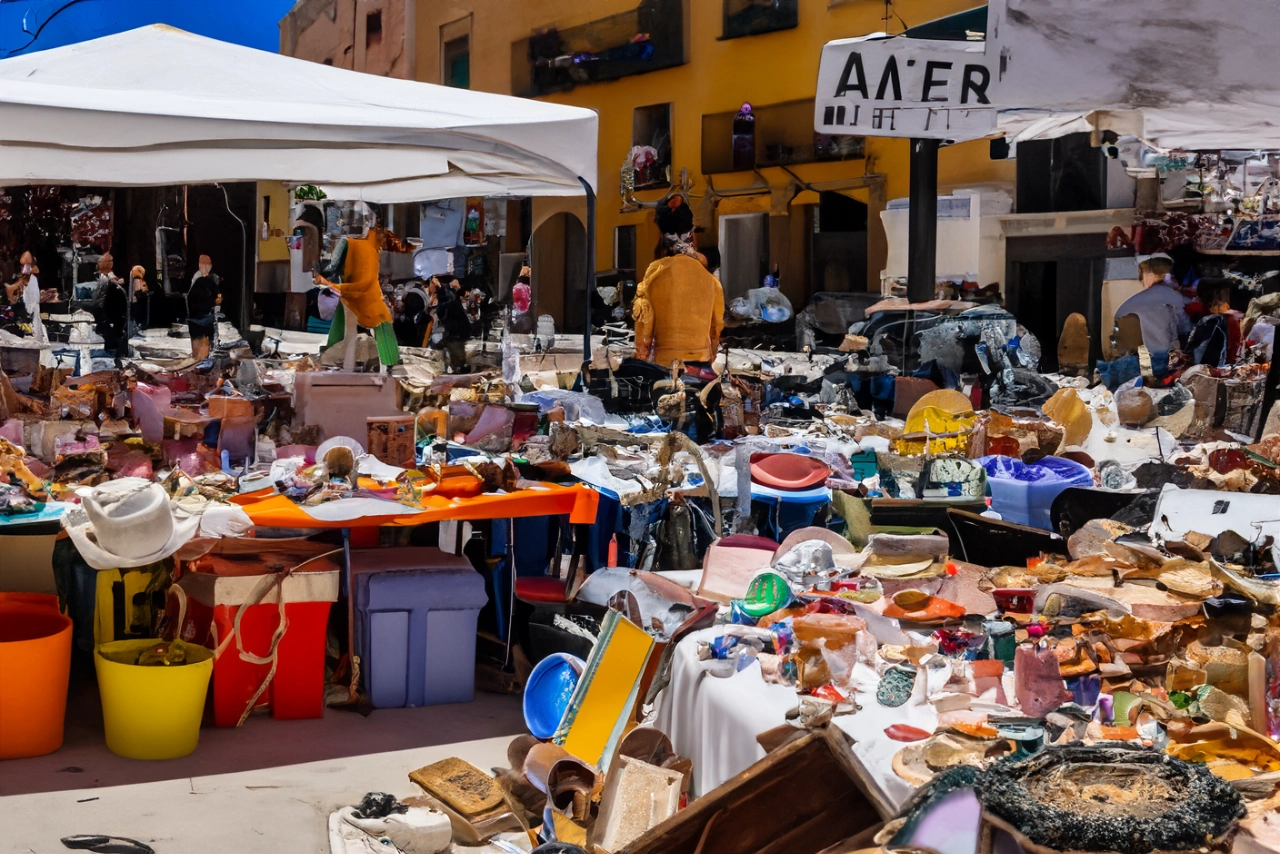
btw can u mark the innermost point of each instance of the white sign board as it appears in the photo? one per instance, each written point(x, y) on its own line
point(879, 86)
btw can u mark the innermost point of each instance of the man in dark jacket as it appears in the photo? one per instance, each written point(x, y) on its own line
point(113, 320)
point(453, 326)
point(205, 294)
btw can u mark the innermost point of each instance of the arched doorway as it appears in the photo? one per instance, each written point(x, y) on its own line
point(558, 260)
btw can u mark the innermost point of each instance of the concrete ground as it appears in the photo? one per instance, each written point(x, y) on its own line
point(85, 763)
point(265, 787)
point(265, 811)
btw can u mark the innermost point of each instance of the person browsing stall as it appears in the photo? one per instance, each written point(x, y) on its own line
point(1159, 306)
point(679, 306)
point(204, 296)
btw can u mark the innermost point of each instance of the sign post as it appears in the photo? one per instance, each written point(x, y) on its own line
point(922, 234)
point(928, 91)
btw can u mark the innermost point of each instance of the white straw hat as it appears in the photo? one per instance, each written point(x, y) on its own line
point(126, 523)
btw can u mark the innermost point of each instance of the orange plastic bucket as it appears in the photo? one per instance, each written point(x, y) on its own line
point(35, 658)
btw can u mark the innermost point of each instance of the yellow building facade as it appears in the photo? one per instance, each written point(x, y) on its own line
point(489, 45)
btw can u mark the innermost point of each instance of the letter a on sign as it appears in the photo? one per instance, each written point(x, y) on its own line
point(853, 65)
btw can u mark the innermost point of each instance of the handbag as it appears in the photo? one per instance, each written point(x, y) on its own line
point(629, 389)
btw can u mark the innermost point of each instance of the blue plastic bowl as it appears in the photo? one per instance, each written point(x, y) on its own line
point(548, 691)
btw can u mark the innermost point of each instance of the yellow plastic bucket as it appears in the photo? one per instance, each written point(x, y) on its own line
point(152, 712)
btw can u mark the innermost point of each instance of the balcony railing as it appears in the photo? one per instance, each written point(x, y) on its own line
point(647, 38)
point(754, 17)
point(784, 136)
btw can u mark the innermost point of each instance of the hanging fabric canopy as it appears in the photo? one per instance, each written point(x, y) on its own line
point(157, 105)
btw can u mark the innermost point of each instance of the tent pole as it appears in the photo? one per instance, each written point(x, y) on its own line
point(591, 265)
point(922, 240)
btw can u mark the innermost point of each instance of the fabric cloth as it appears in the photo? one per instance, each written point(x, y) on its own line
point(384, 336)
point(31, 302)
point(580, 502)
point(1209, 342)
point(714, 720)
point(1160, 310)
point(441, 223)
point(679, 312)
point(361, 288)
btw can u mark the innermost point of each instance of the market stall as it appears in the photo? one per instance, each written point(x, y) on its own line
point(190, 110)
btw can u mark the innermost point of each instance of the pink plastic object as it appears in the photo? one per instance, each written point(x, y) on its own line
point(185, 454)
point(151, 403)
point(12, 430)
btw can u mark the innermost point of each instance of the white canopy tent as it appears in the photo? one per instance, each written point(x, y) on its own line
point(158, 105)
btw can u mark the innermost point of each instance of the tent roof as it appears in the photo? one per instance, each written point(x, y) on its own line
point(157, 105)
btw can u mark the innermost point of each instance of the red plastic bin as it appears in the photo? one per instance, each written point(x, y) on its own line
point(242, 664)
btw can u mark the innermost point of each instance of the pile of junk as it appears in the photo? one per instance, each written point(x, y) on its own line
point(903, 592)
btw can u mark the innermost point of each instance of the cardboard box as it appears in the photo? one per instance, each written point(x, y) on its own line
point(227, 406)
point(393, 440)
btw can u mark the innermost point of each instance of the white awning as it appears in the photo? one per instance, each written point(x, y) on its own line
point(1192, 75)
point(157, 106)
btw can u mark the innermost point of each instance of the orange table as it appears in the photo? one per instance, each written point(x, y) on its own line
point(578, 501)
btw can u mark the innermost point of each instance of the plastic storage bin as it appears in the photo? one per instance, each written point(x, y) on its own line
point(296, 691)
point(416, 611)
point(782, 511)
point(152, 712)
point(1023, 493)
point(35, 660)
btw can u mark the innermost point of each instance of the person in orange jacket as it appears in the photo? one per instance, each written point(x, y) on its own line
point(361, 291)
point(679, 306)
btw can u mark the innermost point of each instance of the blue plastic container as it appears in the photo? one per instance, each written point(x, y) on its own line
point(788, 510)
point(416, 612)
point(548, 692)
point(1023, 493)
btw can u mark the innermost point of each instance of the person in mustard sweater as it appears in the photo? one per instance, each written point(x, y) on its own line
point(679, 307)
point(361, 291)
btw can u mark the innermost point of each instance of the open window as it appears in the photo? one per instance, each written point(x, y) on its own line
point(754, 17)
point(651, 145)
point(455, 53)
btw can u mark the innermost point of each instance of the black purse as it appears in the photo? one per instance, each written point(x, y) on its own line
point(629, 389)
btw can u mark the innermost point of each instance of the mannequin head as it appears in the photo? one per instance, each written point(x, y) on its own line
point(106, 263)
point(206, 265)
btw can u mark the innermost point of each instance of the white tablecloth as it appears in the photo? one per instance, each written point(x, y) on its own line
point(714, 721)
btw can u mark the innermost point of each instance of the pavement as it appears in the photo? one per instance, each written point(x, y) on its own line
point(268, 786)
point(272, 810)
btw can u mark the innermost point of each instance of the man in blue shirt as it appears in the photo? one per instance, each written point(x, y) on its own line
point(1159, 306)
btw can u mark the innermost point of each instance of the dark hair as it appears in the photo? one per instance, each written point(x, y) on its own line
point(674, 217)
point(712, 254)
point(1159, 267)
